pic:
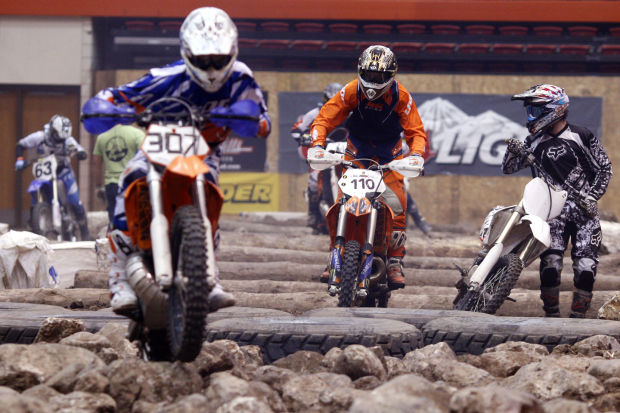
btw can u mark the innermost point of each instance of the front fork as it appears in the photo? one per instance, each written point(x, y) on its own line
point(160, 239)
point(200, 199)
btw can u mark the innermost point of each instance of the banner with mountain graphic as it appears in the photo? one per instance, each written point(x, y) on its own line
point(467, 131)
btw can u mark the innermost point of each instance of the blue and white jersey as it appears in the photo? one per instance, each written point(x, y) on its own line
point(174, 81)
point(46, 146)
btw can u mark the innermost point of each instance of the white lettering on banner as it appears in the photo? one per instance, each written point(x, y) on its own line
point(234, 146)
point(460, 139)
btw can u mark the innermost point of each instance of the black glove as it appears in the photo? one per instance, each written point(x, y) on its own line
point(516, 147)
point(590, 205)
point(81, 155)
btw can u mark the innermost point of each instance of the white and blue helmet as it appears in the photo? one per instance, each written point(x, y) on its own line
point(209, 46)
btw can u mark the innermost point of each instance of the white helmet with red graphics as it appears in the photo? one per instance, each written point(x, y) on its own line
point(209, 46)
point(545, 105)
point(376, 69)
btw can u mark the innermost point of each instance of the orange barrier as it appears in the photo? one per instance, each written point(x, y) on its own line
point(600, 11)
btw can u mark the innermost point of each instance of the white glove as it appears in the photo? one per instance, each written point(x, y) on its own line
point(410, 167)
point(415, 161)
point(319, 159)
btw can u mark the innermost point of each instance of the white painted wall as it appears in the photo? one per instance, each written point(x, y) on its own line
point(44, 50)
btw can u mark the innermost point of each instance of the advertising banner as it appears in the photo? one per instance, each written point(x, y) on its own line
point(250, 192)
point(466, 131)
point(243, 154)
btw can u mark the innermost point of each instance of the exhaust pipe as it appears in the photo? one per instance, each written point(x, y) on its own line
point(153, 301)
point(377, 272)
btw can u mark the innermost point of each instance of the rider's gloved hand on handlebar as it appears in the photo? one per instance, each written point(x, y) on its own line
point(516, 147)
point(20, 164)
point(243, 127)
point(316, 153)
point(415, 160)
point(81, 155)
point(590, 205)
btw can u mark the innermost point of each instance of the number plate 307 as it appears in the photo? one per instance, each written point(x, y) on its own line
point(163, 143)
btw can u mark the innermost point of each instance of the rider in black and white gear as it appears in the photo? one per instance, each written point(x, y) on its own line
point(576, 161)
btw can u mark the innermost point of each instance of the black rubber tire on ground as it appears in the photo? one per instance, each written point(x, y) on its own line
point(70, 228)
point(348, 278)
point(498, 285)
point(41, 220)
point(157, 347)
point(467, 334)
point(280, 336)
point(187, 301)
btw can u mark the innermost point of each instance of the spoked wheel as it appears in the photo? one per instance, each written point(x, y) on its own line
point(350, 268)
point(495, 288)
point(42, 222)
point(187, 298)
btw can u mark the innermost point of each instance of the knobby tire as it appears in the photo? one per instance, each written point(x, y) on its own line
point(350, 269)
point(187, 300)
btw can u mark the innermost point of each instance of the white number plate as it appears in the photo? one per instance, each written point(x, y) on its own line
point(163, 143)
point(357, 182)
point(44, 168)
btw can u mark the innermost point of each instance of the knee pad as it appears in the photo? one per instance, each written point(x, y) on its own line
point(585, 272)
point(397, 239)
point(550, 270)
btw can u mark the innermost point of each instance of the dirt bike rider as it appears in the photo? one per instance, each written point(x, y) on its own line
point(55, 138)
point(210, 78)
point(300, 132)
point(574, 158)
point(381, 108)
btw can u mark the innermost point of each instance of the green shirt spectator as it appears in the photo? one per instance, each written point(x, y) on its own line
point(115, 147)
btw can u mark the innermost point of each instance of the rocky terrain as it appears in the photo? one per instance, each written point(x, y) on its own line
point(272, 266)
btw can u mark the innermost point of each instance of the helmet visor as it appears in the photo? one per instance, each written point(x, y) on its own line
point(372, 76)
point(534, 112)
point(216, 61)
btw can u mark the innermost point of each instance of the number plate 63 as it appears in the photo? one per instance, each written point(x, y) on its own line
point(44, 168)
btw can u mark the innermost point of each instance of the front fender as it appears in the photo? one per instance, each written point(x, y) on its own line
point(35, 185)
point(540, 229)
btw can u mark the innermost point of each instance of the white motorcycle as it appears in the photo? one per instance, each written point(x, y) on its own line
point(512, 237)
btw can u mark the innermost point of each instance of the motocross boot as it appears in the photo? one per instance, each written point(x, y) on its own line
point(581, 303)
point(395, 276)
point(123, 300)
point(218, 298)
point(551, 301)
point(324, 277)
point(83, 223)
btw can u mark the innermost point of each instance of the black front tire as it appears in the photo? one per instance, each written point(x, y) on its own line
point(495, 288)
point(350, 270)
point(187, 299)
point(41, 220)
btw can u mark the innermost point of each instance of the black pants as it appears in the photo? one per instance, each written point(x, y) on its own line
point(110, 195)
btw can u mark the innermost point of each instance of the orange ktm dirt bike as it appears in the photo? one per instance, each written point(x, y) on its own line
point(359, 224)
point(172, 216)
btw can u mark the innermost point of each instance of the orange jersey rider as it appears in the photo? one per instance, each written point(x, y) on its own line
point(377, 109)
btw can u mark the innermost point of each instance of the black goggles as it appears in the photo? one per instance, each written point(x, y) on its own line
point(216, 61)
point(372, 76)
point(533, 112)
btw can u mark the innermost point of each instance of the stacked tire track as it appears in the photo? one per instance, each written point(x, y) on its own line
point(275, 263)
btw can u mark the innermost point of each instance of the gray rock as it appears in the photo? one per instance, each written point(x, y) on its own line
point(194, 403)
point(224, 387)
point(567, 406)
point(23, 366)
point(609, 402)
point(20, 403)
point(547, 381)
point(405, 393)
point(244, 405)
point(438, 362)
point(41, 391)
point(395, 367)
point(218, 356)
point(273, 376)
point(64, 380)
point(302, 362)
point(605, 369)
point(493, 398)
point(92, 381)
point(116, 335)
point(83, 402)
point(599, 345)
point(303, 392)
point(367, 383)
point(134, 379)
point(505, 359)
point(358, 361)
point(89, 341)
point(53, 330)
